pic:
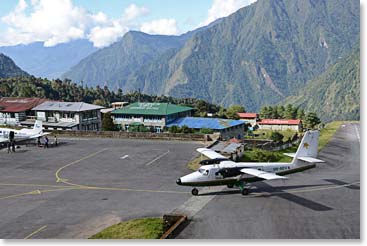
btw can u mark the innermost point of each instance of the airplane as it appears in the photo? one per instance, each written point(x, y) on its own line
point(6, 134)
point(219, 170)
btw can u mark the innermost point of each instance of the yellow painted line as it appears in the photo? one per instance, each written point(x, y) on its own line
point(134, 190)
point(35, 232)
point(57, 174)
point(35, 192)
point(32, 185)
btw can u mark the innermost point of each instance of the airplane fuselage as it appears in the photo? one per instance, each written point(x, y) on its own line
point(18, 134)
point(218, 174)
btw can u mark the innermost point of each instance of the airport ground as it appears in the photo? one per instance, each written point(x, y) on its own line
point(84, 185)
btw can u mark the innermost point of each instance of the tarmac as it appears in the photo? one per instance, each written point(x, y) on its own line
point(84, 185)
point(321, 203)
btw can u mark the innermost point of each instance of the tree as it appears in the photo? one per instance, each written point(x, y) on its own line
point(186, 129)
point(300, 114)
point(107, 123)
point(264, 112)
point(276, 137)
point(311, 120)
point(232, 111)
point(174, 129)
point(206, 131)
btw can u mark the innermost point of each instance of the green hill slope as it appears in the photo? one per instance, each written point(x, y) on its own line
point(9, 69)
point(259, 55)
point(335, 94)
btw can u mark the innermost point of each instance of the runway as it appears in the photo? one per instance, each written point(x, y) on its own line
point(321, 203)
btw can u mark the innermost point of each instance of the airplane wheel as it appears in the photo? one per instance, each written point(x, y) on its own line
point(230, 186)
point(194, 192)
point(245, 192)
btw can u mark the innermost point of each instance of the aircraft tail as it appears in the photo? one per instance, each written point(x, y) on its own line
point(37, 126)
point(307, 150)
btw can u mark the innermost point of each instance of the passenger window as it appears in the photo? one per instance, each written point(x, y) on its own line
point(206, 173)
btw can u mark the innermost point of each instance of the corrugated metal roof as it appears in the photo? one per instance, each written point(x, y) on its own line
point(279, 122)
point(66, 106)
point(151, 109)
point(231, 148)
point(19, 104)
point(211, 123)
point(219, 146)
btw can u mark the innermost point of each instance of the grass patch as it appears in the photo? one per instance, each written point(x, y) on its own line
point(328, 132)
point(147, 228)
point(194, 164)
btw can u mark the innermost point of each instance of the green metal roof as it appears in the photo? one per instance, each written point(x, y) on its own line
point(151, 109)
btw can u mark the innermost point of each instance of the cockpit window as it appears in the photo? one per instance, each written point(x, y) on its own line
point(203, 171)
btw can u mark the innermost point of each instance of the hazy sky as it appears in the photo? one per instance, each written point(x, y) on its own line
point(103, 22)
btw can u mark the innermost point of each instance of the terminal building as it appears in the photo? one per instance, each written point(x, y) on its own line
point(155, 116)
point(13, 110)
point(226, 128)
point(68, 116)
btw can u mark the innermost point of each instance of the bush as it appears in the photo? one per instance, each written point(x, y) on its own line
point(206, 131)
point(276, 137)
point(264, 156)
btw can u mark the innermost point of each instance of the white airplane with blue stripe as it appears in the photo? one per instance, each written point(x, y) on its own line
point(219, 170)
point(21, 135)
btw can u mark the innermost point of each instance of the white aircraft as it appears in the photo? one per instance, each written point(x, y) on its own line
point(21, 135)
point(219, 170)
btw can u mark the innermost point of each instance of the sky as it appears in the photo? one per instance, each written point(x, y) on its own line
point(104, 22)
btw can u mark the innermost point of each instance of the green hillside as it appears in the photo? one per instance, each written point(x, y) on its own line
point(335, 94)
point(111, 65)
point(257, 56)
point(9, 69)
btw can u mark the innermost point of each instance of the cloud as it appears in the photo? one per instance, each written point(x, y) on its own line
point(161, 26)
point(223, 8)
point(133, 11)
point(59, 21)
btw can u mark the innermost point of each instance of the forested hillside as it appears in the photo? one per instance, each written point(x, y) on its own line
point(9, 69)
point(259, 55)
point(335, 94)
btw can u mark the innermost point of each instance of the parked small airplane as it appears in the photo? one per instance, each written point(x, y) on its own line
point(219, 170)
point(6, 134)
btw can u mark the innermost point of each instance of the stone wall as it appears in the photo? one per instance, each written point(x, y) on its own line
point(135, 135)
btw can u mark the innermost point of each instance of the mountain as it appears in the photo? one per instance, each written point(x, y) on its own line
point(335, 94)
point(49, 62)
point(9, 69)
point(112, 64)
point(259, 55)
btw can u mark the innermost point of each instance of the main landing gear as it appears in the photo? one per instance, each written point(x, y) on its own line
point(245, 189)
point(194, 192)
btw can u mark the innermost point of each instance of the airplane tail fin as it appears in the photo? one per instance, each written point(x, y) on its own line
point(308, 149)
point(37, 126)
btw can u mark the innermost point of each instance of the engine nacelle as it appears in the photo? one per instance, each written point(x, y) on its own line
point(212, 161)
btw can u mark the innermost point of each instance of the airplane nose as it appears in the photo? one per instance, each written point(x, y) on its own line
point(178, 181)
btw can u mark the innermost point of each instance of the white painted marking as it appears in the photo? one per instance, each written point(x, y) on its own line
point(357, 133)
point(124, 157)
point(156, 159)
point(192, 206)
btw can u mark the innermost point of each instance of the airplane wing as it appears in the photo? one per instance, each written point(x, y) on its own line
point(40, 135)
point(262, 174)
point(3, 140)
point(211, 153)
point(310, 159)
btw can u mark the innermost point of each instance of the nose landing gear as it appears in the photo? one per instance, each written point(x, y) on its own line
point(194, 192)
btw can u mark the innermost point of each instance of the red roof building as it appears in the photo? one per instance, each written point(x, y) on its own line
point(279, 124)
point(15, 109)
point(248, 115)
